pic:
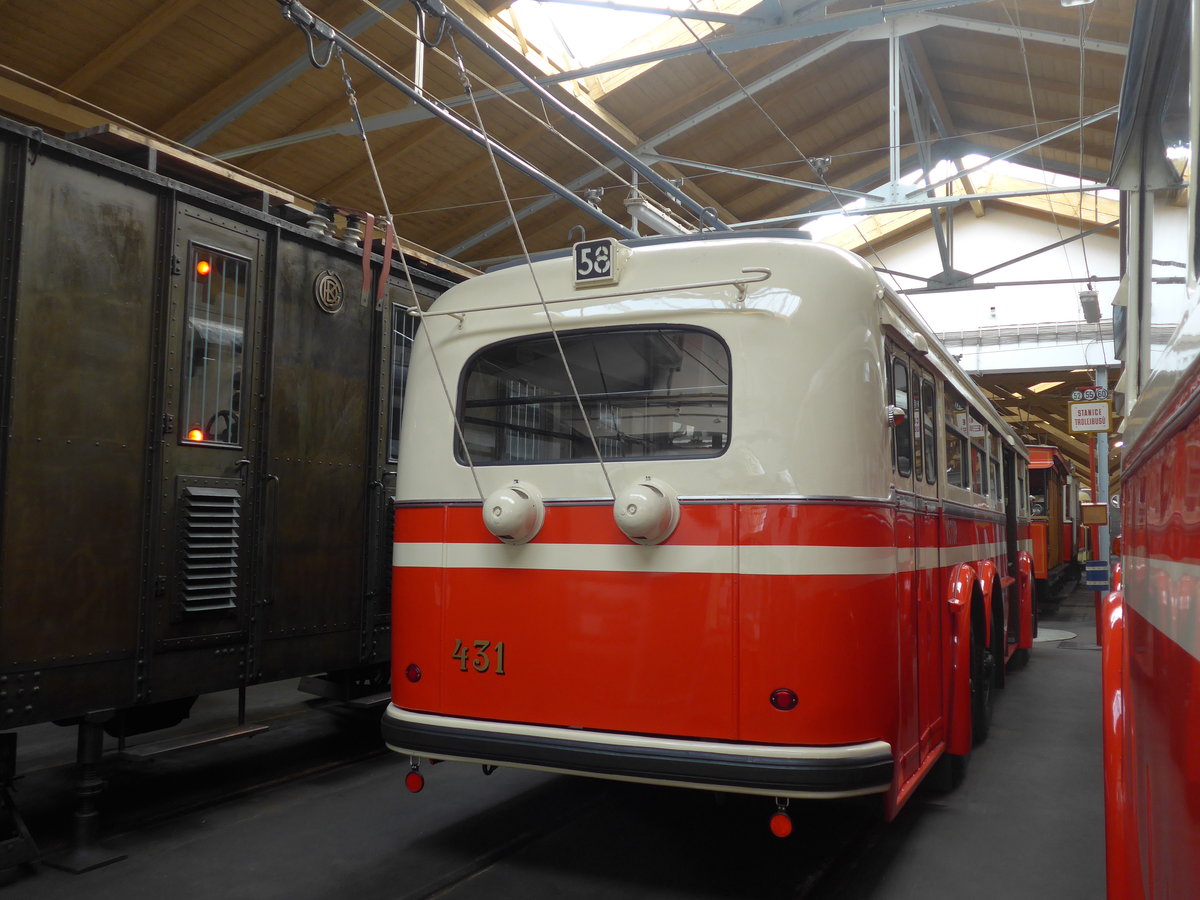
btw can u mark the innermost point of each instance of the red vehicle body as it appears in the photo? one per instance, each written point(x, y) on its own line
point(800, 571)
point(1151, 622)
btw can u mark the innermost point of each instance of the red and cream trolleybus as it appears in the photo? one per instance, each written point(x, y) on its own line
point(1151, 627)
point(712, 511)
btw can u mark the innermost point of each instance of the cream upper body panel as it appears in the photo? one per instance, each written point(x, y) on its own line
point(807, 379)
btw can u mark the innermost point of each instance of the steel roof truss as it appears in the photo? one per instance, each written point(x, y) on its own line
point(277, 81)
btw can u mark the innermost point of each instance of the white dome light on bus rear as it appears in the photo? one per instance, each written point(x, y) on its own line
point(514, 513)
point(647, 511)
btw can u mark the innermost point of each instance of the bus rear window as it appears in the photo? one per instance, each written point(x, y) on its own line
point(646, 392)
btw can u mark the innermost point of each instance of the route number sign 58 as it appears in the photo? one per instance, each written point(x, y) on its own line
point(598, 262)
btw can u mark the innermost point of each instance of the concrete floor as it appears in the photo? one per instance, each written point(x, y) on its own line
point(1027, 822)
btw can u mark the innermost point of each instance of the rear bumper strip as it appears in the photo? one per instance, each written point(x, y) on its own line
point(781, 771)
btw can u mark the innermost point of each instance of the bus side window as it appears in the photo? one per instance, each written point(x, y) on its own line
point(929, 429)
point(978, 432)
point(995, 482)
point(958, 463)
point(902, 433)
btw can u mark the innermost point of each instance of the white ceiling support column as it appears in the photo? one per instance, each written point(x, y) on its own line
point(943, 235)
point(893, 188)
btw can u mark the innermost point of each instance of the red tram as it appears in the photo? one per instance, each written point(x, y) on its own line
point(1151, 623)
point(1055, 526)
point(726, 517)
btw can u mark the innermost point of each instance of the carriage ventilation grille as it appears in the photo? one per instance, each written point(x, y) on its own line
point(209, 548)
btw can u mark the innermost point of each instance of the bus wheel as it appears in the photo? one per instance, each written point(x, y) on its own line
point(983, 678)
point(1019, 659)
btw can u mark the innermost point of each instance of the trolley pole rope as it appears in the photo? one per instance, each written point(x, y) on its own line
point(315, 27)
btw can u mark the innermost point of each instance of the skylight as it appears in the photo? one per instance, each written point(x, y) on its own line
point(569, 36)
point(585, 35)
point(854, 211)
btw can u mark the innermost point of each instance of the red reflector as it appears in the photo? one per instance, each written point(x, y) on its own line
point(203, 268)
point(784, 699)
point(195, 435)
point(413, 673)
point(414, 781)
point(781, 824)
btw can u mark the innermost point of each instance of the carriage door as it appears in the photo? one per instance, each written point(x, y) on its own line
point(206, 528)
point(907, 513)
point(930, 646)
point(1012, 596)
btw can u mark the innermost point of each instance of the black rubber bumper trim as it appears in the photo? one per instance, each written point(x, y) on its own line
point(818, 776)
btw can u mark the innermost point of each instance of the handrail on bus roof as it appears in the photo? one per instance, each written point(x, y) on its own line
point(762, 272)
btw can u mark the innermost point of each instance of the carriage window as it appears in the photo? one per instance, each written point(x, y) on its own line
point(647, 392)
point(957, 454)
point(929, 429)
point(213, 338)
point(404, 328)
point(902, 433)
point(1022, 494)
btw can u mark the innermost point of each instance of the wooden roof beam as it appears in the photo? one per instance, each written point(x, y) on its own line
point(1070, 445)
point(38, 106)
point(158, 21)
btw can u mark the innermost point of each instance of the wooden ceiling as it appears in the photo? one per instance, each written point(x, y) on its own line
point(226, 76)
point(794, 83)
point(1040, 415)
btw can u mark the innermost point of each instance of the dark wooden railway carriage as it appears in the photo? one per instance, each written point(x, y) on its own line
point(197, 417)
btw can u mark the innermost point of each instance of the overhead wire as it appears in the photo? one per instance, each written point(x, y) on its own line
point(803, 157)
point(409, 279)
point(1083, 28)
point(497, 92)
point(466, 82)
point(1015, 20)
point(1082, 85)
point(763, 167)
